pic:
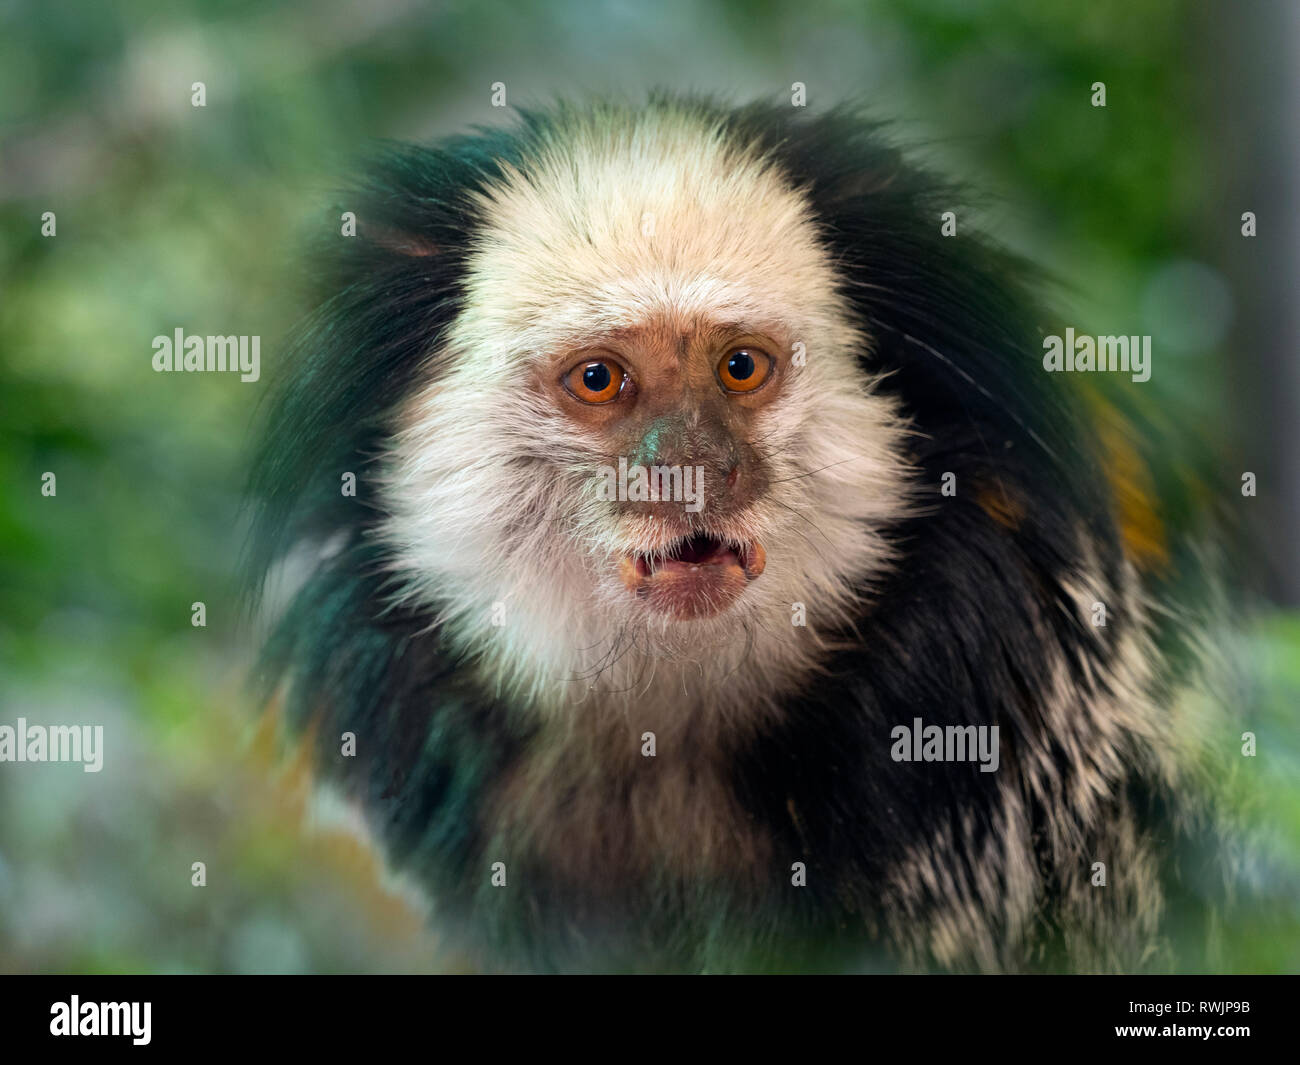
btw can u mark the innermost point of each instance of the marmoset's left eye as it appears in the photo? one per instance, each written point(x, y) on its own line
point(744, 369)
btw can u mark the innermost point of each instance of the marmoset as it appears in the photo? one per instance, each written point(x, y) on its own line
point(727, 584)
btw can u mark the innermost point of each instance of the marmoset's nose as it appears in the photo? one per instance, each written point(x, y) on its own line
point(690, 464)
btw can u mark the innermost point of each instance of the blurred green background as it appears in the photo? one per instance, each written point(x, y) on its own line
point(170, 215)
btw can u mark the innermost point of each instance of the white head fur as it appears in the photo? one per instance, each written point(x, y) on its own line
point(622, 218)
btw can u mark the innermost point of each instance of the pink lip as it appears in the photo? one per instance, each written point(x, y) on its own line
point(702, 575)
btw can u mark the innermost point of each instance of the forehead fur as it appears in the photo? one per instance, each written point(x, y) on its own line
point(616, 217)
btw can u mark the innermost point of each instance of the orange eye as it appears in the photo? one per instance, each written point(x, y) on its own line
point(744, 369)
point(595, 381)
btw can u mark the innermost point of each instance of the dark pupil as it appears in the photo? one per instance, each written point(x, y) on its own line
point(740, 366)
point(596, 377)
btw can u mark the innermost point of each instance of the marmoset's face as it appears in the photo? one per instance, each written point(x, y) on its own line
point(676, 413)
point(650, 427)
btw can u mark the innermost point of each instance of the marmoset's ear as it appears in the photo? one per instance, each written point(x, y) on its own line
point(398, 241)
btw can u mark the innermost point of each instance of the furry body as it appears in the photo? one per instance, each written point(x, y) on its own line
point(467, 622)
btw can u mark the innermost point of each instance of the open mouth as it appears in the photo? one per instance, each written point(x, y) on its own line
point(697, 576)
